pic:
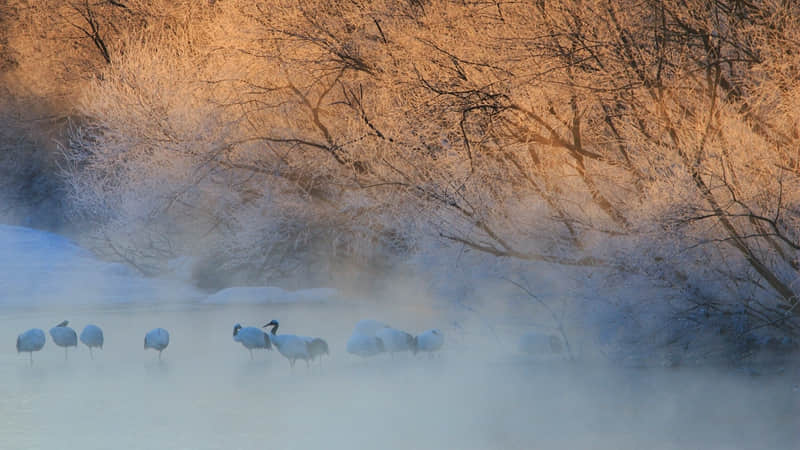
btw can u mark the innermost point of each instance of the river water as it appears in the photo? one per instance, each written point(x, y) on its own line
point(206, 393)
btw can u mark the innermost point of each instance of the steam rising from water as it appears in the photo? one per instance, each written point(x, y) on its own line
point(480, 394)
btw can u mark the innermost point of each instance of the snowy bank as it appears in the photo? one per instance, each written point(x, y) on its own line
point(38, 268)
point(270, 295)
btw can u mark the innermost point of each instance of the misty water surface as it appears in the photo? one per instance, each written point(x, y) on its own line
point(480, 394)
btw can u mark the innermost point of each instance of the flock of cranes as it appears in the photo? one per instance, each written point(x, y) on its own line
point(63, 336)
point(369, 338)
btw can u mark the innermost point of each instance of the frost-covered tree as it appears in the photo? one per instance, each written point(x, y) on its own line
point(642, 137)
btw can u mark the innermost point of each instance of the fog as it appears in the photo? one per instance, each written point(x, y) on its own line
point(479, 393)
point(450, 160)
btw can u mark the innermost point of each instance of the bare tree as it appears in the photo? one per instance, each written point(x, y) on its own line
point(646, 137)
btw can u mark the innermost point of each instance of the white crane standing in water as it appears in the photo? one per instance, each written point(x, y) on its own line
point(92, 336)
point(251, 337)
point(364, 342)
point(429, 341)
point(318, 347)
point(395, 340)
point(364, 346)
point(157, 339)
point(64, 336)
point(290, 346)
point(30, 341)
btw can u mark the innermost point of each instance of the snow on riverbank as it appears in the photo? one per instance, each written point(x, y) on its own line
point(270, 295)
point(38, 268)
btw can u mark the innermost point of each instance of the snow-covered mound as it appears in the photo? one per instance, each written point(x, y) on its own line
point(41, 268)
point(270, 295)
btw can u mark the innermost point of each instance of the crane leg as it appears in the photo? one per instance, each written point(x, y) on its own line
point(65, 353)
point(251, 353)
point(91, 355)
point(30, 354)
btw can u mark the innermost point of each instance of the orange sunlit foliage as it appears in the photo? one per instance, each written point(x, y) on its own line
point(648, 136)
